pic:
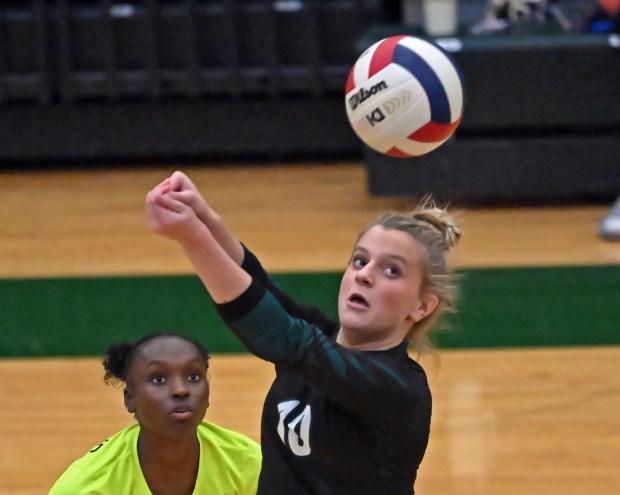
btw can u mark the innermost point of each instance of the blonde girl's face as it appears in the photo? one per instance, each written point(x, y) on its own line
point(380, 293)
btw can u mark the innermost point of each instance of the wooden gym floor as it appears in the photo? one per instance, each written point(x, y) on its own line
point(510, 421)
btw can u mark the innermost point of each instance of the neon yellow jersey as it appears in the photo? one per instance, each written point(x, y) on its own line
point(229, 465)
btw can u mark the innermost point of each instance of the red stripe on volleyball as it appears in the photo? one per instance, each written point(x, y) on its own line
point(433, 132)
point(350, 83)
point(382, 56)
point(397, 153)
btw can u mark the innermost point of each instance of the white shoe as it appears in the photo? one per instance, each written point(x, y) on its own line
point(610, 225)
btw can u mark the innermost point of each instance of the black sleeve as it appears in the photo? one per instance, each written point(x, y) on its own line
point(352, 378)
point(307, 312)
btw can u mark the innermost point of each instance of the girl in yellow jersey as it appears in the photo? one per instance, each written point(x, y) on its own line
point(171, 450)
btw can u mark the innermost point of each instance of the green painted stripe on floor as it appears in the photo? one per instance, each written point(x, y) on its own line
point(521, 307)
point(507, 307)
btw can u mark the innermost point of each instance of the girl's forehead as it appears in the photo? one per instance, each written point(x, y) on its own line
point(167, 347)
point(381, 242)
point(377, 236)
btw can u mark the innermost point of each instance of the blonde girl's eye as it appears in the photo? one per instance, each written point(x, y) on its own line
point(358, 262)
point(392, 271)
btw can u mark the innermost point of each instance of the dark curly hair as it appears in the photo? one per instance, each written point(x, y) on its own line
point(119, 356)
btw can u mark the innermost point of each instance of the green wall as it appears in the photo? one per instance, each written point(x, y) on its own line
point(504, 307)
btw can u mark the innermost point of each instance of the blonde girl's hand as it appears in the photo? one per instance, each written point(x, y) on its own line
point(186, 191)
point(180, 188)
point(171, 218)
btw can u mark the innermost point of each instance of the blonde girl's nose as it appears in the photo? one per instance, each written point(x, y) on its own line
point(363, 276)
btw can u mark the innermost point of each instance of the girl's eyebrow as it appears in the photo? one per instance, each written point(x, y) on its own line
point(395, 257)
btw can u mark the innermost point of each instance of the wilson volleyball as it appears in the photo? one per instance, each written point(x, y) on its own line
point(404, 96)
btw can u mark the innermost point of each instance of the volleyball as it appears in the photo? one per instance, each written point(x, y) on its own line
point(404, 96)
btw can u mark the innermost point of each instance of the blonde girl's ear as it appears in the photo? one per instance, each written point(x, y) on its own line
point(427, 304)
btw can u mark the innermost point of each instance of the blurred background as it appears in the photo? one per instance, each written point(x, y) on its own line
point(257, 80)
point(100, 100)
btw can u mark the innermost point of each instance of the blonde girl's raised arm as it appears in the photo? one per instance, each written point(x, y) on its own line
point(183, 189)
point(222, 276)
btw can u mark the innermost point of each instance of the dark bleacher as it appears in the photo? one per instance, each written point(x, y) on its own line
point(102, 81)
point(541, 122)
point(147, 79)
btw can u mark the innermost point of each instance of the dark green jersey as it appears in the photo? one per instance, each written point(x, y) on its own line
point(335, 421)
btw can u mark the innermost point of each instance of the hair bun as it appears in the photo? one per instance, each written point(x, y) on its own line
point(115, 361)
point(452, 234)
point(440, 221)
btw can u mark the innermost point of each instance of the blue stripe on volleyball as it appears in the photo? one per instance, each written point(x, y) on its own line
point(424, 73)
